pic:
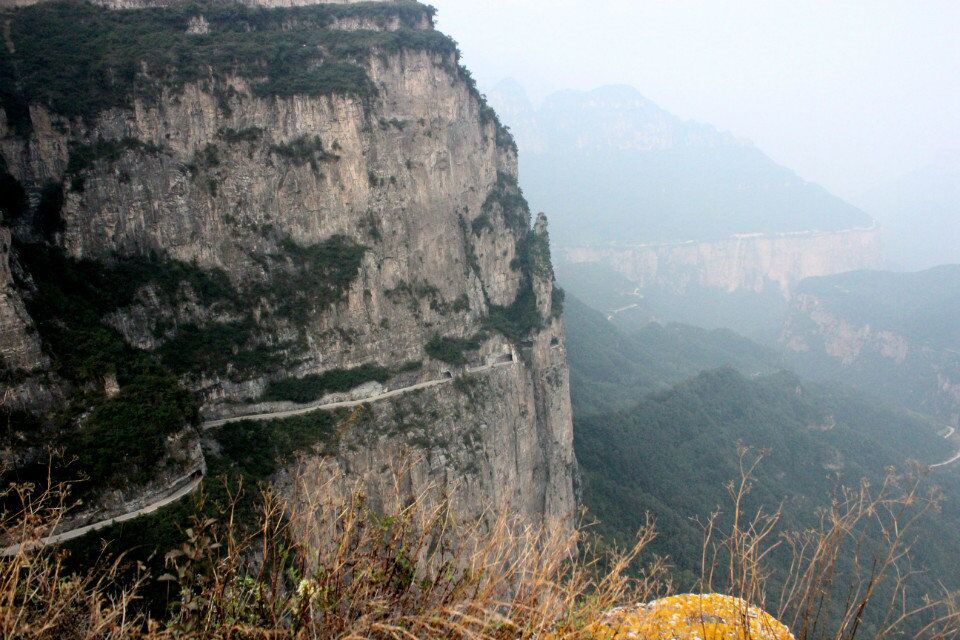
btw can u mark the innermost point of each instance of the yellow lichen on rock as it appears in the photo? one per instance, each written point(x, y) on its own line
point(691, 617)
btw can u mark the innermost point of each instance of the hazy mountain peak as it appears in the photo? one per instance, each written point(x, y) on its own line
point(620, 117)
point(511, 89)
point(610, 164)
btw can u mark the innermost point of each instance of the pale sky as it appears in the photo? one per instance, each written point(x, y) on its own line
point(846, 93)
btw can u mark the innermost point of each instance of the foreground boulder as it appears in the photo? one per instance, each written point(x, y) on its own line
point(689, 617)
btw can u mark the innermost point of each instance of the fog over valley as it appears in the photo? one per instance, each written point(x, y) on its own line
point(370, 319)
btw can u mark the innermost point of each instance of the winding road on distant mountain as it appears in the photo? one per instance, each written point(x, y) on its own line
point(613, 313)
point(195, 478)
point(952, 430)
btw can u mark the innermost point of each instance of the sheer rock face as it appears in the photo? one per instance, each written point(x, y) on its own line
point(404, 174)
point(751, 262)
point(19, 348)
point(500, 442)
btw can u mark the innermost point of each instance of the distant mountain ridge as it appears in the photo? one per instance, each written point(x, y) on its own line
point(674, 205)
point(620, 118)
point(611, 165)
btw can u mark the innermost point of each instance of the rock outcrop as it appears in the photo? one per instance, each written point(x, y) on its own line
point(890, 334)
point(691, 617)
point(360, 216)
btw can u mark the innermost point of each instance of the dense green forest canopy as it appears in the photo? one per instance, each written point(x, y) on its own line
point(612, 368)
point(673, 453)
point(657, 426)
point(923, 306)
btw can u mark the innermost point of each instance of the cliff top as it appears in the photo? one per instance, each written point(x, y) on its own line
point(145, 4)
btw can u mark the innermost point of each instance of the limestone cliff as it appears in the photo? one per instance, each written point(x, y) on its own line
point(673, 204)
point(892, 334)
point(747, 262)
point(323, 196)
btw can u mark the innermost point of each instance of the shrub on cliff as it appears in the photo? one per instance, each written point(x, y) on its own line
point(451, 350)
point(315, 386)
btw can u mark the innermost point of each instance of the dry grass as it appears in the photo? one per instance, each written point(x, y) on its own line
point(327, 565)
point(857, 559)
point(39, 599)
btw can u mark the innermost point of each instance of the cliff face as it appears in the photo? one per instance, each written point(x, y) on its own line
point(19, 348)
point(372, 224)
point(892, 334)
point(752, 262)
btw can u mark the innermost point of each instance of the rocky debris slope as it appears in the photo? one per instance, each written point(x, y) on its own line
point(279, 204)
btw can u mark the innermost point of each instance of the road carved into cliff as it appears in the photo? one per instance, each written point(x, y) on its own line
point(345, 404)
point(948, 462)
point(197, 476)
point(193, 485)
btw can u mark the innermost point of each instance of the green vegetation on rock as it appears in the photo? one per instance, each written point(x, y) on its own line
point(83, 156)
point(259, 447)
point(79, 59)
point(110, 438)
point(304, 150)
point(518, 320)
point(124, 435)
point(315, 386)
point(507, 198)
point(306, 279)
point(71, 298)
point(452, 350)
point(219, 348)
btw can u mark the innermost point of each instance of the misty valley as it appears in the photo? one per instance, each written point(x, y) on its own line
point(307, 331)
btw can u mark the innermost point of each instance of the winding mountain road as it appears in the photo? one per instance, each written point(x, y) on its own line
point(948, 462)
point(615, 312)
point(196, 477)
point(346, 404)
point(952, 430)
